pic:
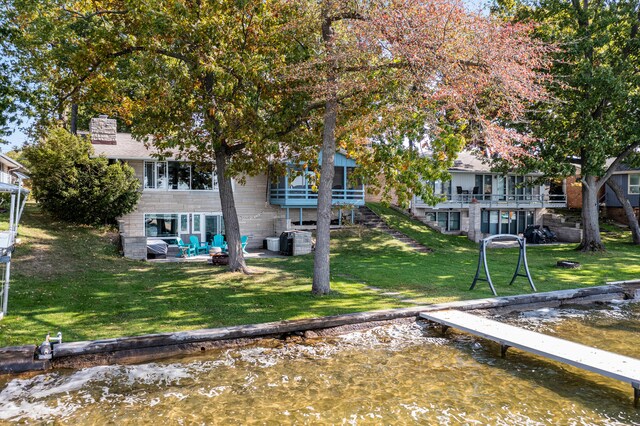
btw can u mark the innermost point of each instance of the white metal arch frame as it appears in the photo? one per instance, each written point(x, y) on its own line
point(7, 238)
point(522, 261)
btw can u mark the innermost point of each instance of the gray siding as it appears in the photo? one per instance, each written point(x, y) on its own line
point(610, 197)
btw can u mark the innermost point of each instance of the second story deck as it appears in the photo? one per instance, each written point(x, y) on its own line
point(495, 191)
point(462, 201)
point(305, 196)
point(297, 188)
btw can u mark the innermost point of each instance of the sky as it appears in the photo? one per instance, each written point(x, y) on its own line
point(17, 138)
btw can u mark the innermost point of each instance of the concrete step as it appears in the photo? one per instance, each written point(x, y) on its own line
point(370, 220)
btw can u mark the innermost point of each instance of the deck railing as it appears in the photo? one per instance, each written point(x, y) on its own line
point(6, 178)
point(305, 195)
point(500, 200)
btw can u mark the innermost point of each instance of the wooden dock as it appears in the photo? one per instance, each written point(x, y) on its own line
point(588, 358)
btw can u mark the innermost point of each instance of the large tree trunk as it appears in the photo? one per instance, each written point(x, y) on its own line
point(628, 210)
point(591, 240)
point(321, 267)
point(229, 214)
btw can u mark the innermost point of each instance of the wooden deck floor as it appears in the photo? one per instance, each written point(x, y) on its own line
point(588, 358)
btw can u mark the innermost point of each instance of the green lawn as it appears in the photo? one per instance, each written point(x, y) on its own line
point(71, 279)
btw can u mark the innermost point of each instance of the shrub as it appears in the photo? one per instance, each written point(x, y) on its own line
point(74, 187)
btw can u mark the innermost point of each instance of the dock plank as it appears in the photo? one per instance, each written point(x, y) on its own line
point(599, 361)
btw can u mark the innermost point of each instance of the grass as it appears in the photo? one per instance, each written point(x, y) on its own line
point(71, 279)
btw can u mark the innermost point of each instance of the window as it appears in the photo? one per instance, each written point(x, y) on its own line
point(179, 175)
point(195, 224)
point(214, 224)
point(485, 186)
point(505, 221)
point(454, 221)
point(442, 188)
point(161, 225)
point(202, 177)
point(520, 187)
point(447, 221)
point(430, 216)
point(149, 175)
point(176, 175)
point(634, 184)
point(443, 220)
point(184, 223)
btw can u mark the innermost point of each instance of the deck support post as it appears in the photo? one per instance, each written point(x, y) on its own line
point(636, 394)
point(503, 351)
point(443, 329)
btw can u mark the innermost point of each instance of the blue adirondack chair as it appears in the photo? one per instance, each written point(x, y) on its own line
point(198, 246)
point(218, 241)
point(184, 249)
point(244, 240)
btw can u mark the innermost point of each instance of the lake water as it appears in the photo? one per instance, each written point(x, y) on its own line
point(405, 373)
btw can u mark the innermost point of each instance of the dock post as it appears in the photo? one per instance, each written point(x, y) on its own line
point(636, 394)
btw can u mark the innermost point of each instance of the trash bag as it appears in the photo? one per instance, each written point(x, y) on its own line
point(550, 236)
point(534, 235)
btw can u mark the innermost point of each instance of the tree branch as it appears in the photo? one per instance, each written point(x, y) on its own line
point(96, 13)
point(392, 65)
point(346, 15)
point(233, 149)
point(614, 166)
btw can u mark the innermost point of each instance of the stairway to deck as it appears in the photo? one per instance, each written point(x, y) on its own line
point(371, 220)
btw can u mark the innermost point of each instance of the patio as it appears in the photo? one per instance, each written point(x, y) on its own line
point(203, 258)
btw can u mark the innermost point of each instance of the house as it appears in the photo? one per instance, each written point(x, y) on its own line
point(479, 202)
point(8, 168)
point(628, 179)
point(180, 199)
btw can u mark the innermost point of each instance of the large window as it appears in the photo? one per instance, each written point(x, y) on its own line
point(172, 225)
point(484, 183)
point(441, 188)
point(634, 184)
point(176, 175)
point(505, 221)
point(161, 225)
point(448, 221)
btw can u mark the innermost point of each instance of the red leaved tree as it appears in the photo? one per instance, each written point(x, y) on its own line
point(443, 74)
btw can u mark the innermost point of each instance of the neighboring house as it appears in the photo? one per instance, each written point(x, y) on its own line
point(8, 166)
point(180, 199)
point(629, 179)
point(479, 202)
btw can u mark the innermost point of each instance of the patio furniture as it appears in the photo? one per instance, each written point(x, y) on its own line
point(244, 240)
point(156, 249)
point(184, 250)
point(199, 247)
point(218, 241)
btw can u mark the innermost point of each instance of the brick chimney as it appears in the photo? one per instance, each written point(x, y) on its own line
point(103, 130)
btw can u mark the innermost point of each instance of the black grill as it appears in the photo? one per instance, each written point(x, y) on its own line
point(286, 243)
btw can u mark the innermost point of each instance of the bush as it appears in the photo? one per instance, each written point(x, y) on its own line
point(74, 187)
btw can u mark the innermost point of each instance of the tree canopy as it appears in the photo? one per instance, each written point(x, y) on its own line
point(596, 90)
point(198, 77)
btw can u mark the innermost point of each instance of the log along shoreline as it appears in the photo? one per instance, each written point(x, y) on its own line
point(151, 347)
